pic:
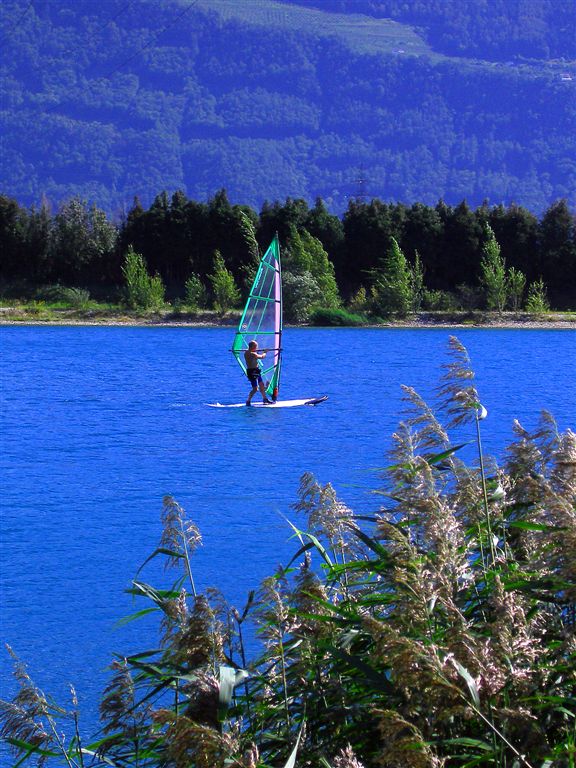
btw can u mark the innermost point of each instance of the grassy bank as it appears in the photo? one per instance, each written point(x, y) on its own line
point(40, 313)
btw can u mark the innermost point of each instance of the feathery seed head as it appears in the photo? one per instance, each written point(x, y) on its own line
point(178, 534)
point(458, 397)
point(23, 718)
point(307, 594)
point(117, 705)
point(175, 617)
point(272, 610)
point(403, 744)
point(327, 516)
point(192, 743)
point(564, 466)
point(421, 418)
point(346, 759)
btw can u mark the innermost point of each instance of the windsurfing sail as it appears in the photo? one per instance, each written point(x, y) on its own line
point(261, 320)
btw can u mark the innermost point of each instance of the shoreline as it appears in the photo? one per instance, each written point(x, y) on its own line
point(509, 320)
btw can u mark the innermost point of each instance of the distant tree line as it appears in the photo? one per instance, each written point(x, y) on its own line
point(377, 259)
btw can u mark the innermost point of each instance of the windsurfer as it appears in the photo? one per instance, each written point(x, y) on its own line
point(252, 357)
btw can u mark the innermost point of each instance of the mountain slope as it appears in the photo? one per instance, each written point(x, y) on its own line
point(360, 33)
point(269, 100)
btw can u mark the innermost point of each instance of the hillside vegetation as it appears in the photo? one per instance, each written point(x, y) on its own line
point(495, 30)
point(268, 99)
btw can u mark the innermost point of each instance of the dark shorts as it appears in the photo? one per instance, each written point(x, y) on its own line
point(254, 376)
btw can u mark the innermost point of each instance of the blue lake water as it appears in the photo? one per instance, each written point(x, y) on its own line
point(99, 423)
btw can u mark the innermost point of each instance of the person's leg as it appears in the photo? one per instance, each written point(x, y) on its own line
point(251, 395)
point(263, 393)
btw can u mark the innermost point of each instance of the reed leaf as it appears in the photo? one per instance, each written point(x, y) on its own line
point(315, 542)
point(171, 553)
point(469, 680)
point(291, 762)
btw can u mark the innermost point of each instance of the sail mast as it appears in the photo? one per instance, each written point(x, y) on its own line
point(262, 318)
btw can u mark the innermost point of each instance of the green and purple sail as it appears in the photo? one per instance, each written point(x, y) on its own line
point(262, 319)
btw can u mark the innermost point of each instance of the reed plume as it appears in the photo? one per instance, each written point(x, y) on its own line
point(458, 396)
point(402, 744)
point(346, 759)
point(117, 708)
point(25, 718)
point(327, 516)
point(180, 537)
point(189, 743)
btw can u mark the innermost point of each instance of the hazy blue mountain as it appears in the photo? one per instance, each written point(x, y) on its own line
point(408, 101)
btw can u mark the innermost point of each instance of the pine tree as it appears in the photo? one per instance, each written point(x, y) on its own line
point(142, 290)
point(307, 255)
point(392, 290)
point(80, 239)
point(359, 301)
point(37, 241)
point(248, 236)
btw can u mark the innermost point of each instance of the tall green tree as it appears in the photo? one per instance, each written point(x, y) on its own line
point(38, 243)
point(142, 291)
point(14, 263)
point(367, 229)
point(417, 282)
point(81, 242)
point(248, 237)
point(462, 247)
point(423, 232)
point(225, 293)
point(282, 218)
point(515, 286)
point(177, 245)
point(493, 269)
point(300, 295)
point(195, 292)
point(154, 247)
point(328, 229)
point(516, 230)
point(558, 252)
point(392, 292)
point(306, 255)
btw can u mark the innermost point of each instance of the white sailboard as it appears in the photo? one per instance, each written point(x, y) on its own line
point(277, 404)
point(262, 321)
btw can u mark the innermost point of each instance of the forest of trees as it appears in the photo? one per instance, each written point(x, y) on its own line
point(377, 259)
point(109, 101)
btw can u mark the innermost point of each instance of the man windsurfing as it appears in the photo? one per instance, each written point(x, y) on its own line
point(252, 358)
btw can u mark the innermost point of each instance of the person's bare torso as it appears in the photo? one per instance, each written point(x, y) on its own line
point(251, 359)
